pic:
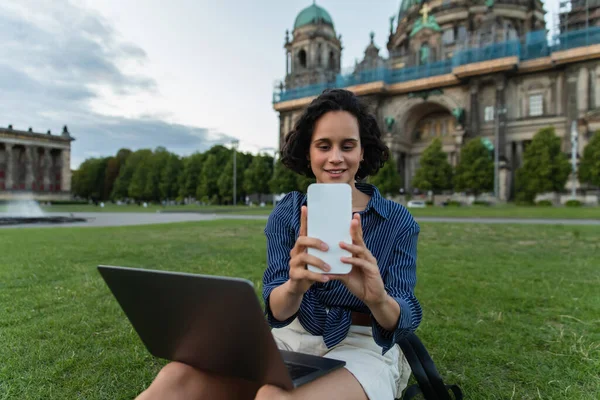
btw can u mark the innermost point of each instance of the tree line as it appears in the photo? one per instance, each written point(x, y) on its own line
point(545, 167)
point(159, 175)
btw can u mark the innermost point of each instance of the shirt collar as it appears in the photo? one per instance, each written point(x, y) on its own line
point(377, 202)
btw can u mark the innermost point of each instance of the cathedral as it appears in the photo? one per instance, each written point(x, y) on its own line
point(457, 70)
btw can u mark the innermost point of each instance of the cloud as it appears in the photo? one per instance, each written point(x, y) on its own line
point(57, 59)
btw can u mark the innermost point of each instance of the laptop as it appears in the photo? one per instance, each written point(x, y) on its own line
point(212, 323)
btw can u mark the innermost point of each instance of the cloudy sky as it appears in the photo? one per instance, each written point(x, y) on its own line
point(184, 74)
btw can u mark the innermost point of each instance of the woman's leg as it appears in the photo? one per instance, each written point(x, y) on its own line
point(180, 381)
point(339, 384)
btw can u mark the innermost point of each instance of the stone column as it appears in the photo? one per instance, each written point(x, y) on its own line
point(510, 157)
point(10, 159)
point(65, 173)
point(559, 94)
point(582, 90)
point(501, 120)
point(519, 155)
point(29, 178)
point(473, 127)
point(46, 165)
point(504, 181)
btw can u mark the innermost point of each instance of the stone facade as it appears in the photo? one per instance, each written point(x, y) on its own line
point(35, 165)
point(508, 96)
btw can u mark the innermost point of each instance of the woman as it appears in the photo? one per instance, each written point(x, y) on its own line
point(358, 317)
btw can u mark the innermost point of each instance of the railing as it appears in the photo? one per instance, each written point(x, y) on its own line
point(494, 51)
point(580, 38)
point(534, 45)
point(419, 72)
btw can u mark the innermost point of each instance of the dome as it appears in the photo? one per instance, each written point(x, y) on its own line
point(312, 15)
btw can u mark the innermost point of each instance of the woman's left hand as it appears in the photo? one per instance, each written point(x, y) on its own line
point(364, 281)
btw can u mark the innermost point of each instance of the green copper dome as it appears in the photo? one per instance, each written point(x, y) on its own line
point(312, 15)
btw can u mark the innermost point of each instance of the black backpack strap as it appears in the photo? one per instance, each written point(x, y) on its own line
point(429, 381)
point(418, 371)
point(428, 365)
point(411, 392)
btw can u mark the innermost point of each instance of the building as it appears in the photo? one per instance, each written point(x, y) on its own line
point(579, 14)
point(35, 165)
point(456, 70)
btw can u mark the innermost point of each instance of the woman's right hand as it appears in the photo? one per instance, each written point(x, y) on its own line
point(301, 279)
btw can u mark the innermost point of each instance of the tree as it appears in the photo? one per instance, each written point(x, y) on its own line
point(435, 173)
point(139, 179)
point(475, 170)
point(155, 164)
point(303, 182)
point(545, 167)
point(208, 189)
point(169, 179)
point(225, 181)
point(121, 187)
point(89, 181)
point(256, 177)
point(284, 180)
point(589, 169)
point(110, 176)
point(191, 172)
point(387, 179)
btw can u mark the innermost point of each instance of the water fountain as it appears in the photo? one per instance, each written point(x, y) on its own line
point(29, 212)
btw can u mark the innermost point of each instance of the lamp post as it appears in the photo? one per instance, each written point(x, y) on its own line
point(574, 137)
point(234, 145)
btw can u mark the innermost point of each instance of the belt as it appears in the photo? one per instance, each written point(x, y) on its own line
point(361, 319)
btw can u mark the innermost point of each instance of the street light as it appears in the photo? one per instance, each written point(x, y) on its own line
point(234, 145)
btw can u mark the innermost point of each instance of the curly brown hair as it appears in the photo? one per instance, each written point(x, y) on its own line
point(296, 145)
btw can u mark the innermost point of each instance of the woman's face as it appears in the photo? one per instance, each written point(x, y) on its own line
point(335, 149)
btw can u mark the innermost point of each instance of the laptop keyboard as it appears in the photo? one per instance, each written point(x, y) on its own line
point(298, 371)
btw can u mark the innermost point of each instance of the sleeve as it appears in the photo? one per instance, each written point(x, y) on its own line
point(400, 281)
point(281, 237)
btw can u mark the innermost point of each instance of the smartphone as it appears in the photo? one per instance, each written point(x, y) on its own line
point(329, 207)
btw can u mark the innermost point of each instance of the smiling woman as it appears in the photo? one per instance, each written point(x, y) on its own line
point(335, 133)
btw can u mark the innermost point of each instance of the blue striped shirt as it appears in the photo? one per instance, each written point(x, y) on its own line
point(390, 233)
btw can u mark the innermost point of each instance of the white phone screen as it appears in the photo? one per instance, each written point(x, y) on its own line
point(329, 207)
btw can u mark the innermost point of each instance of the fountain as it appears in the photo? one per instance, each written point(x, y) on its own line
point(29, 212)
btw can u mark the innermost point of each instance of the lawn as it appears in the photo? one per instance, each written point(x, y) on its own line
point(500, 211)
point(510, 312)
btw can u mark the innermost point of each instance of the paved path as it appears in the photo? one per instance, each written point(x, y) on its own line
point(124, 219)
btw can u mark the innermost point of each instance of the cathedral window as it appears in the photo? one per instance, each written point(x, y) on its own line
point(536, 105)
point(489, 114)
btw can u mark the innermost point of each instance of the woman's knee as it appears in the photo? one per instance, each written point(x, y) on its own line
point(178, 373)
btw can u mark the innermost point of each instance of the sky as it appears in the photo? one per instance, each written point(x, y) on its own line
point(183, 74)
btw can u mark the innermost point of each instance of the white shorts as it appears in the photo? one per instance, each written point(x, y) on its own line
point(381, 376)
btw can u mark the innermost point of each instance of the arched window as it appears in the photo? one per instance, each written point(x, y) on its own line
point(302, 58)
point(331, 60)
point(424, 54)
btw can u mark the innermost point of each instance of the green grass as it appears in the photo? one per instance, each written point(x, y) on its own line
point(510, 312)
point(500, 211)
